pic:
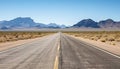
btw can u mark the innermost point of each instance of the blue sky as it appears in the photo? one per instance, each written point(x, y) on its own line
point(66, 12)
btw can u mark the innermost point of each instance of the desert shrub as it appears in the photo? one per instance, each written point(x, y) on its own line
point(14, 35)
point(103, 40)
point(111, 39)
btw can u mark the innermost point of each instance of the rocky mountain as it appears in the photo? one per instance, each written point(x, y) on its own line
point(89, 23)
point(53, 25)
point(26, 22)
point(63, 26)
point(18, 23)
point(109, 23)
point(41, 25)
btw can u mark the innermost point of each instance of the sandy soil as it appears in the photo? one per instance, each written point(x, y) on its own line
point(111, 48)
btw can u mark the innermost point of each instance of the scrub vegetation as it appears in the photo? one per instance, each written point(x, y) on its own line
point(111, 37)
point(6, 36)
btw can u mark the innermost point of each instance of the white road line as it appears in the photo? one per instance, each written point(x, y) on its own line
point(107, 52)
point(99, 48)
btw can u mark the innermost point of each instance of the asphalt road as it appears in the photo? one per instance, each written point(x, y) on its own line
point(75, 54)
point(39, 54)
point(58, 51)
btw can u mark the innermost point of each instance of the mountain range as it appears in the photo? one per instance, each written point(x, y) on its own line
point(89, 23)
point(27, 22)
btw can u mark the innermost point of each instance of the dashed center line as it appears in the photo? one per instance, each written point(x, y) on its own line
point(57, 57)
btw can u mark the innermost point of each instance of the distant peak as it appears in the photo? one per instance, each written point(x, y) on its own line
point(23, 18)
point(110, 20)
point(53, 23)
point(87, 20)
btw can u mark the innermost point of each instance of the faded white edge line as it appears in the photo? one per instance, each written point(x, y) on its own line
point(101, 49)
point(97, 48)
point(107, 52)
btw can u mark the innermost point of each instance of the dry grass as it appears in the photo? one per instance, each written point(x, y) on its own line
point(14, 35)
point(104, 36)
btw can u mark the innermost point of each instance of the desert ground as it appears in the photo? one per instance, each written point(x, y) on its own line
point(61, 50)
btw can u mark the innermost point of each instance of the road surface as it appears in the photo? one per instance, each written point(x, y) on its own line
point(57, 51)
point(39, 54)
point(75, 54)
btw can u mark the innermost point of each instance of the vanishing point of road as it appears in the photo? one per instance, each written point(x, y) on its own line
point(57, 51)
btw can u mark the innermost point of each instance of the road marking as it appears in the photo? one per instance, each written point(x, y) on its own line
point(56, 63)
point(107, 52)
point(57, 58)
point(97, 47)
point(102, 50)
point(58, 47)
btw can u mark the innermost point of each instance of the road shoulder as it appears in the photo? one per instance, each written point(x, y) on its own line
point(7, 45)
point(110, 48)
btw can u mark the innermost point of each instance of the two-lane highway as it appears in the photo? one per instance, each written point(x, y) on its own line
point(75, 54)
point(57, 51)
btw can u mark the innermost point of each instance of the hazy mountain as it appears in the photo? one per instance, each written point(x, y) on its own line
point(4, 28)
point(87, 23)
point(26, 22)
point(109, 23)
point(53, 25)
point(18, 23)
point(41, 25)
point(63, 26)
